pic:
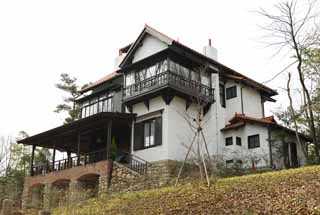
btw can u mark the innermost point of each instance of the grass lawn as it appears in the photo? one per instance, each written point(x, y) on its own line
point(294, 191)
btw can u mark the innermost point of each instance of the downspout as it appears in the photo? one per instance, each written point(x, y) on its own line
point(270, 146)
point(242, 109)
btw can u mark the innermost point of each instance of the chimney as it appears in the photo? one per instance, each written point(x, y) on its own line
point(118, 60)
point(210, 51)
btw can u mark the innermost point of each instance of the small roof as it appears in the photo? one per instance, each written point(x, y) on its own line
point(106, 78)
point(239, 120)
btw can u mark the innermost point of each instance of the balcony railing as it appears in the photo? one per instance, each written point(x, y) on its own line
point(188, 86)
point(133, 162)
point(79, 160)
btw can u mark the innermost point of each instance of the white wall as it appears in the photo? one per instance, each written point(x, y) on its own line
point(150, 46)
point(252, 105)
point(261, 154)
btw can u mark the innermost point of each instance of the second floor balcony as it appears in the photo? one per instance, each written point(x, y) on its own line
point(180, 80)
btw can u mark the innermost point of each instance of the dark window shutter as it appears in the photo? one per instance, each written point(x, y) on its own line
point(138, 136)
point(158, 131)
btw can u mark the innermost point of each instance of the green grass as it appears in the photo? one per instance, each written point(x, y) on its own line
point(295, 191)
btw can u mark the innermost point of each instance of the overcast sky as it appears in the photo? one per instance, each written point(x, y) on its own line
point(41, 39)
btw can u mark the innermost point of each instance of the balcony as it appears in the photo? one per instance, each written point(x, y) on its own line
point(168, 79)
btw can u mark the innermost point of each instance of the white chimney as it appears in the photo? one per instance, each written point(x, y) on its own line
point(117, 61)
point(210, 51)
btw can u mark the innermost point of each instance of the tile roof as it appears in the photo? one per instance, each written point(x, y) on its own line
point(242, 117)
point(101, 81)
point(239, 120)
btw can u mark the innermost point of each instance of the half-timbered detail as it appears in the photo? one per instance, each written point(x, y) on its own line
point(134, 124)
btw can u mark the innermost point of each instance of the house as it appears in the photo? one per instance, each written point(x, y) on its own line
point(139, 109)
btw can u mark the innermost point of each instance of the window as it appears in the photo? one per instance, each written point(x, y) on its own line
point(101, 103)
point(229, 141)
point(229, 161)
point(253, 141)
point(205, 79)
point(148, 133)
point(238, 141)
point(222, 95)
point(231, 92)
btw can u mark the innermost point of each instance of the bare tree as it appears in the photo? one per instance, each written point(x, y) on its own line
point(294, 118)
point(5, 156)
point(291, 29)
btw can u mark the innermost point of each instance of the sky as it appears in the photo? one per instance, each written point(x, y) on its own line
point(41, 39)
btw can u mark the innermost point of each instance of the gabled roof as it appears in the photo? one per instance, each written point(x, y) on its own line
point(226, 72)
point(239, 120)
point(106, 78)
point(146, 30)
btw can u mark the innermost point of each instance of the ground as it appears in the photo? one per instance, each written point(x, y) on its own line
point(294, 191)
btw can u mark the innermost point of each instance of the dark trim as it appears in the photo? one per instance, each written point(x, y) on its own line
point(167, 98)
point(146, 103)
point(138, 118)
point(188, 103)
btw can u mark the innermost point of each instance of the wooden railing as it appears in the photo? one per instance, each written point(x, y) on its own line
point(194, 88)
point(133, 162)
point(74, 161)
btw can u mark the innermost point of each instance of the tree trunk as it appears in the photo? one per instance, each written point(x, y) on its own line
point(294, 117)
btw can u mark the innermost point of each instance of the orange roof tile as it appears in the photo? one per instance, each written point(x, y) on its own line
point(101, 81)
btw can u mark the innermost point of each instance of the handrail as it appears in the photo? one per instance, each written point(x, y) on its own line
point(168, 77)
point(136, 163)
point(132, 161)
point(74, 161)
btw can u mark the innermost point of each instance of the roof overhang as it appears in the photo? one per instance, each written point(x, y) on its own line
point(54, 138)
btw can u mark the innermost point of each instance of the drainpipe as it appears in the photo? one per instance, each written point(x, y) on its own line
point(242, 109)
point(270, 146)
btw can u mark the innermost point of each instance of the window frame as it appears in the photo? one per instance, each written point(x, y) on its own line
point(238, 139)
point(141, 138)
point(153, 120)
point(93, 105)
point(228, 139)
point(231, 92)
point(255, 144)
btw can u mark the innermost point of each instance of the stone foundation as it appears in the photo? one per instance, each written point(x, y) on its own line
point(124, 179)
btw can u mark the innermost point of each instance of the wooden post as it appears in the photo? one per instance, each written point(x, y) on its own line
point(78, 153)
point(69, 159)
point(32, 159)
point(53, 159)
point(109, 138)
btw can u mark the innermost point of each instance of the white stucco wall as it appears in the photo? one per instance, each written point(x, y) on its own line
point(260, 154)
point(252, 105)
point(150, 46)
